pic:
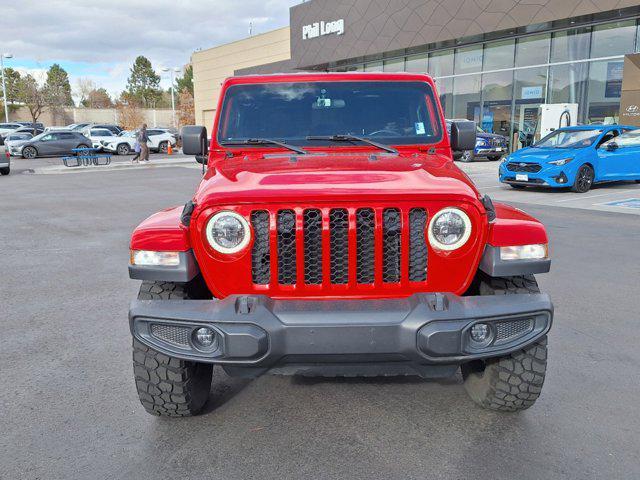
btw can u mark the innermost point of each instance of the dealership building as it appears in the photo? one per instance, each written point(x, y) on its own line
point(494, 61)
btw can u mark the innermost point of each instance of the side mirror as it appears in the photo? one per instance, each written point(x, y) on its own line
point(611, 146)
point(194, 142)
point(463, 135)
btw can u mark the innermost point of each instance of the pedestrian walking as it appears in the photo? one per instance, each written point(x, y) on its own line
point(142, 139)
point(136, 148)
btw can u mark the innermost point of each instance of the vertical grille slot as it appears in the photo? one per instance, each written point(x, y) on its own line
point(365, 226)
point(417, 245)
point(339, 245)
point(260, 256)
point(391, 240)
point(286, 229)
point(312, 221)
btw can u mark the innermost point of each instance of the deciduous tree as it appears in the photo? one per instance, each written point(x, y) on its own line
point(32, 95)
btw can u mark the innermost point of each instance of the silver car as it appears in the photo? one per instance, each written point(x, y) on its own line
point(50, 144)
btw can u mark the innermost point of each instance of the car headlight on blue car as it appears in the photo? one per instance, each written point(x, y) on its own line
point(562, 161)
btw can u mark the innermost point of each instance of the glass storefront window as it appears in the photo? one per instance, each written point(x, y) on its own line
point(568, 84)
point(444, 86)
point(530, 92)
point(498, 55)
point(417, 64)
point(497, 91)
point(441, 64)
point(466, 97)
point(570, 45)
point(373, 67)
point(613, 39)
point(533, 50)
point(605, 85)
point(393, 65)
point(468, 59)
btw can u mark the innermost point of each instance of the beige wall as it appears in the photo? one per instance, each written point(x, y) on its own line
point(212, 66)
point(154, 118)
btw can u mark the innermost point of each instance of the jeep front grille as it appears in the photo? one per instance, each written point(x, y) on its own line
point(339, 246)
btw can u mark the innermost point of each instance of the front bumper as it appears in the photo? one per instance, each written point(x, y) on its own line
point(425, 334)
point(548, 176)
point(488, 151)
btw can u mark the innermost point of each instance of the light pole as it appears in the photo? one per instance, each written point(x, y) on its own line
point(4, 86)
point(173, 100)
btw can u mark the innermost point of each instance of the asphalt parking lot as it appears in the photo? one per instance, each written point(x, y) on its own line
point(69, 409)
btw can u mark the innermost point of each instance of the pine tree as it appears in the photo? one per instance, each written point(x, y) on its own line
point(143, 83)
point(186, 81)
point(57, 87)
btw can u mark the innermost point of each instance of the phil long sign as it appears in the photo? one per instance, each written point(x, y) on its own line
point(319, 29)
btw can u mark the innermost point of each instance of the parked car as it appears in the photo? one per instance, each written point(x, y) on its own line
point(309, 251)
point(6, 128)
point(124, 144)
point(50, 144)
point(488, 145)
point(99, 136)
point(16, 138)
point(78, 126)
point(34, 130)
point(5, 163)
point(113, 128)
point(575, 157)
point(32, 124)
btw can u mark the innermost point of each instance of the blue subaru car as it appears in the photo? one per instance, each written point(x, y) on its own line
point(576, 157)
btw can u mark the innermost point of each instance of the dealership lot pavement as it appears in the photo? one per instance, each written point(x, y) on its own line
point(69, 410)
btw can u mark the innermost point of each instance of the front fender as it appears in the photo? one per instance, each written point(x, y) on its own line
point(162, 232)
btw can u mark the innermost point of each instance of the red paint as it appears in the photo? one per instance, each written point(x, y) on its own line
point(514, 227)
point(162, 232)
point(242, 179)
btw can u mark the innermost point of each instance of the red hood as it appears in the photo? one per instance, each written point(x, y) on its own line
point(333, 177)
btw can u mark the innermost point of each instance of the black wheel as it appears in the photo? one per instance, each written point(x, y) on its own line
point(467, 156)
point(584, 179)
point(167, 386)
point(513, 382)
point(29, 152)
point(518, 187)
point(123, 149)
point(5, 170)
point(163, 147)
point(495, 158)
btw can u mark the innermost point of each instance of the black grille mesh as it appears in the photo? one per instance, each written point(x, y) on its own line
point(260, 257)
point(286, 225)
point(391, 238)
point(339, 245)
point(312, 221)
point(509, 330)
point(365, 248)
point(175, 335)
point(417, 245)
point(524, 167)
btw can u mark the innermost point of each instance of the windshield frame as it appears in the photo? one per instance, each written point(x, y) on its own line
point(436, 116)
point(598, 132)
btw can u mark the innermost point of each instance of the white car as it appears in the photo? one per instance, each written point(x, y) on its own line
point(124, 143)
point(99, 137)
point(6, 128)
point(12, 140)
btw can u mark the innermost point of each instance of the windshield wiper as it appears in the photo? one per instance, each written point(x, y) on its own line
point(265, 141)
point(352, 138)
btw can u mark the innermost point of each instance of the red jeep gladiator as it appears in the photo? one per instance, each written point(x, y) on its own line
point(333, 235)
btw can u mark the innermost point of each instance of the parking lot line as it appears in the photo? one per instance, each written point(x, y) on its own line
point(595, 196)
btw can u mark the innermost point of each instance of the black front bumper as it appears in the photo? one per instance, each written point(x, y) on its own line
point(425, 334)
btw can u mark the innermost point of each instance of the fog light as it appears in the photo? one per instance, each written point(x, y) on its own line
point(480, 332)
point(204, 337)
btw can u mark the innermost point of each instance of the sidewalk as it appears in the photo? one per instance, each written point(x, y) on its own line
point(55, 166)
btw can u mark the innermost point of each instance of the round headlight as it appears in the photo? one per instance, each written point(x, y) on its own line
point(228, 232)
point(449, 229)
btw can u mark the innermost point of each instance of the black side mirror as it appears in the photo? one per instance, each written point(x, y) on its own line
point(194, 142)
point(463, 135)
point(611, 146)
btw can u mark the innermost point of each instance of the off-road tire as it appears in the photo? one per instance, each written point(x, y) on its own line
point(5, 171)
point(168, 386)
point(513, 382)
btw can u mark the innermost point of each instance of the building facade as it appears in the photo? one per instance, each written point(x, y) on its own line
point(494, 61)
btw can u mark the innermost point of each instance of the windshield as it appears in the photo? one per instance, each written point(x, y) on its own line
point(19, 136)
point(127, 133)
point(569, 139)
point(387, 112)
